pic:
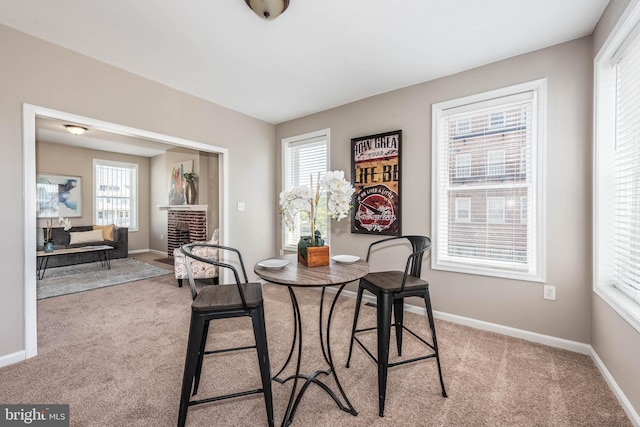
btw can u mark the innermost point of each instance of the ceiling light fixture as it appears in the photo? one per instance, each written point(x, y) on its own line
point(268, 9)
point(75, 129)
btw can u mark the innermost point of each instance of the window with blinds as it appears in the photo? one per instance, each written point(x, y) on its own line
point(616, 174)
point(626, 173)
point(115, 193)
point(487, 184)
point(305, 156)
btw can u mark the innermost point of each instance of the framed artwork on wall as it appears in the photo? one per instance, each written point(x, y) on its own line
point(376, 174)
point(177, 183)
point(58, 196)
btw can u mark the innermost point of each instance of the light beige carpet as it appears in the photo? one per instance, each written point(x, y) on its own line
point(116, 356)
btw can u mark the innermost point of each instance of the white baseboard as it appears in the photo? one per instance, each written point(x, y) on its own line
point(493, 327)
point(12, 358)
point(617, 391)
point(153, 251)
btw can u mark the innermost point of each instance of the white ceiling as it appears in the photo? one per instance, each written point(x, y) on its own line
point(319, 54)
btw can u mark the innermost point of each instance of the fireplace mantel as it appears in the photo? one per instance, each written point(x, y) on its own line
point(183, 207)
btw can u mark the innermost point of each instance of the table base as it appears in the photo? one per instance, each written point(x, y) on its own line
point(296, 395)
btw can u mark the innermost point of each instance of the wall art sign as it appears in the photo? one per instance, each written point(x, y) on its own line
point(375, 171)
point(58, 196)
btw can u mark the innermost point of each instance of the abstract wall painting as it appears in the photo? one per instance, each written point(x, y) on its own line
point(58, 196)
point(177, 183)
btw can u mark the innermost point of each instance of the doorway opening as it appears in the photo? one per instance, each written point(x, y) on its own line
point(33, 112)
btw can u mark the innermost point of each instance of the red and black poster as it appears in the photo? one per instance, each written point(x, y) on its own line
point(375, 162)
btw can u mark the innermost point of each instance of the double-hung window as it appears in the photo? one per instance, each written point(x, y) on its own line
point(303, 157)
point(617, 170)
point(490, 220)
point(115, 193)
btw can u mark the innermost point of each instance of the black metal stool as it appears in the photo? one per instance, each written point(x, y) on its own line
point(390, 289)
point(222, 302)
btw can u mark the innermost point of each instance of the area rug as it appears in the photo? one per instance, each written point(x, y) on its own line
point(83, 277)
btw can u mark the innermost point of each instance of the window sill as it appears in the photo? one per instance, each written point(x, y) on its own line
point(487, 271)
point(628, 309)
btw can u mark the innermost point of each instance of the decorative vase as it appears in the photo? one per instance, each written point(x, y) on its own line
point(190, 193)
point(312, 256)
point(48, 246)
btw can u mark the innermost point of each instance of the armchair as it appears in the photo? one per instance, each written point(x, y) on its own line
point(200, 270)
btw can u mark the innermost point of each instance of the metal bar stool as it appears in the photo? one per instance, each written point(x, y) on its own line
point(222, 302)
point(390, 289)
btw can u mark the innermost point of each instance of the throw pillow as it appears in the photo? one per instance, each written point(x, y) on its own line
point(107, 231)
point(85, 237)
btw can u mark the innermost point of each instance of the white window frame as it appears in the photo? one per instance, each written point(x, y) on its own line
point(492, 218)
point(536, 266)
point(625, 30)
point(133, 167)
point(459, 202)
point(496, 162)
point(308, 138)
point(465, 168)
point(463, 127)
point(497, 124)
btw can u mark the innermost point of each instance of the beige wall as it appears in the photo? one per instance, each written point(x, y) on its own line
point(42, 74)
point(614, 340)
point(67, 160)
point(506, 302)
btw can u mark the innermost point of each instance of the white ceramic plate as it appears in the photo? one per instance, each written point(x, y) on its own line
point(345, 259)
point(273, 264)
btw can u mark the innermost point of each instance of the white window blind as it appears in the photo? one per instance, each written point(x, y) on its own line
point(115, 193)
point(501, 237)
point(626, 166)
point(304, 157)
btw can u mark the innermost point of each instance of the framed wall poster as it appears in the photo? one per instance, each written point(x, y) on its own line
point(58, 196)
point(176, 181)
point(376, 171)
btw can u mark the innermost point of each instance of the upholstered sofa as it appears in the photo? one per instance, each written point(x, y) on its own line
point(199, 269)
point(117, 237)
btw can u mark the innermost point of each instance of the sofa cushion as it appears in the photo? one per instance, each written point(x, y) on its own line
point(108, 231)
point(85, 237)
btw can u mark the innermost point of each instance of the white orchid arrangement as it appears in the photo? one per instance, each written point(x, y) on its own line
point(304, 199)
point(64, 222)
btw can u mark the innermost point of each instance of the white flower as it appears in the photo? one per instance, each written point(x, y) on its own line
point(65, 222)
point(304, 199)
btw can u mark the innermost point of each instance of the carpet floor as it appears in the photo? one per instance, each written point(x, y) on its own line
point(116, 356)
point(82, 277)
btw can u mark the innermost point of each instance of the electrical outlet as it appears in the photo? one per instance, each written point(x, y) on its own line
point(161, 236)
point(550, 292)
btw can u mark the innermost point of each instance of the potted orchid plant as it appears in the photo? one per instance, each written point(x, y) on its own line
point(305, 199)
point(48, 237)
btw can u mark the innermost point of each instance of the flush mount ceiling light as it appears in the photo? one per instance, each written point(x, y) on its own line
point(268, 9)
point(75, 129)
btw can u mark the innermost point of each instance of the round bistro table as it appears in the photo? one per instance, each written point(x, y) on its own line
point(295, 275)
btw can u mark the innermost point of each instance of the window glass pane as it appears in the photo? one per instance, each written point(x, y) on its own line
point(484, 192)
point(304, 158)
point(115, 194)
point(626, 165)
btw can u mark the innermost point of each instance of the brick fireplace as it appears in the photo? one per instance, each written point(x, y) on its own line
point(185, 224)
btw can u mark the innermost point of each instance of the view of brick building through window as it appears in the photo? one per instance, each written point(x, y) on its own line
point(489, 184)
